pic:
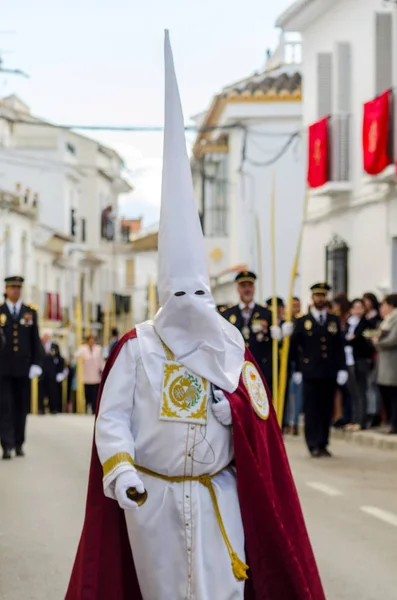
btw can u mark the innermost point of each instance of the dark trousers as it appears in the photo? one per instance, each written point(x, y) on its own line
point(49, 388)
point(358, 386)
point(389, 396)
point(14, 408)
point(91, 394)
point(318, 402)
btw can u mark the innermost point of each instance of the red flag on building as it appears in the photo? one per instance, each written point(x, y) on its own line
point(376, 151)
point(317, 173)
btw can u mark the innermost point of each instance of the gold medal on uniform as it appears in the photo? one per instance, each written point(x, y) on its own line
point(332, 327)
point(308, 325)
point(246, 332)
point(3, 320)
point(232, 319)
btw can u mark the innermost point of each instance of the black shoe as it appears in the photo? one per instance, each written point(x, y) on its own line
point(7, 454)
point(393, 432)
point(295, 430)
point(315, 453)
point(326, 453)
point(19, 451)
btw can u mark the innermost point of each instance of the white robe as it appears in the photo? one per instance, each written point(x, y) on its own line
point(178, 549)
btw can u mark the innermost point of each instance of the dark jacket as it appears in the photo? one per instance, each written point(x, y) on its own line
point(363, 348)
point(318, 350)
point(53, 363)
point(23, 346)
point(256, 334)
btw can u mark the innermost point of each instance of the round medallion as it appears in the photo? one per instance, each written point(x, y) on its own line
point(256, 390)
point(246, 332)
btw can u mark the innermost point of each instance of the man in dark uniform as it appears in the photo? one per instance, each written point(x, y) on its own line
point(254, 322)
point(20, 362)
point(52, 376)
point(317, 349)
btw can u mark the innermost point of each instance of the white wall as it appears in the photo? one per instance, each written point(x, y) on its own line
point(362, 218)
point(145, 270)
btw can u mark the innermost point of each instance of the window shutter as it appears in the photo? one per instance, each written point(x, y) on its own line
point(383, 52)
point(324, 84)
point(130, 272)
point(343, 82)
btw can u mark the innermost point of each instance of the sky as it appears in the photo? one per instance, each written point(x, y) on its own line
point(100, 62)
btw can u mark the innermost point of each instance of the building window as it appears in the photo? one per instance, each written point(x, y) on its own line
point(73, 222)
point(107, 224)
point(83, 230)
point(214, 216)
point(336, 265)
point(70, 148)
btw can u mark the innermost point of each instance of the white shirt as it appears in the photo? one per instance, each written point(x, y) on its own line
point(316, 314)
point(11, 306)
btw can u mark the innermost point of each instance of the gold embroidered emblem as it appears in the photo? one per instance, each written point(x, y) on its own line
point(184, 395)
point(332, 327)
point(3, 320)
point(317, 152)
point(308, 325)
point(232, 319)
point(373, 137)
point(256, 390)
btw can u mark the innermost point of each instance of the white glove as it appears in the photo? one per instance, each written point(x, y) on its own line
point(60, 377)
point(35, 371)
point(342, 377)
point(128, 479)
point(221, 409)
point(287, 329)
point(275, 332)
point(297, 378)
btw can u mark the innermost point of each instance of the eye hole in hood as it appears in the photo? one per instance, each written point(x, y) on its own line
point(179, 294)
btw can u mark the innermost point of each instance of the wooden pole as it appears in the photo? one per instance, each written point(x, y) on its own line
point(80, 396)
point(152, 299)
point(34, 396)
point(288, 318)
point(274, 290)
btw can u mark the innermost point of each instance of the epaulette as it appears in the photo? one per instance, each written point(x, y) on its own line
point(31, 306)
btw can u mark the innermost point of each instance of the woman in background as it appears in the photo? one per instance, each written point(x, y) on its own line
point(93, 363)
point(386, 346)
point(373, 319)
point(343, 402)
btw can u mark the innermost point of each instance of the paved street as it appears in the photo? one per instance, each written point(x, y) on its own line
point(350, 503)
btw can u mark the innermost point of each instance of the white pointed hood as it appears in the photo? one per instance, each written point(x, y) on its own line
point(188, 322)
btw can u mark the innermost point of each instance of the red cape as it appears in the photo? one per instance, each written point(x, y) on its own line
point(281, 561)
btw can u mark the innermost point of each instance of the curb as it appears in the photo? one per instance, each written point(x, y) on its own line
point(372, 439)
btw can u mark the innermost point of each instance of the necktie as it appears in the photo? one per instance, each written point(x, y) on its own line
point(14, 313)
point(246, 314)
point(321, 319)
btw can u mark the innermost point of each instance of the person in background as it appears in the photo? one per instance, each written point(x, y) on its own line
point(317, 350)
point(52, 376)
point(373, 319)
point(20, 363)
point(112, 342)
point(92, 357)
point(343, 401)
point(372, 315)
point(359, 357)
point(280, 309)
point(295, 389)
point(386, 346)
point(255, 323)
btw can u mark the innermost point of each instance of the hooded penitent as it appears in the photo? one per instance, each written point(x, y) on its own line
point(188, 322)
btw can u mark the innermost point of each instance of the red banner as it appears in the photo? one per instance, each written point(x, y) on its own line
point(317, 172)
point(376, 155)
point(53, 308)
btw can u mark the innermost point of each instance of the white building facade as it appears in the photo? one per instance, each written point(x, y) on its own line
point(59, 223)
point(248, 137)
point(349, 51)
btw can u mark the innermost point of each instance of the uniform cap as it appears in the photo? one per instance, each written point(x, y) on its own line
point(14, 280)
point(244, 276)
point(320, 288)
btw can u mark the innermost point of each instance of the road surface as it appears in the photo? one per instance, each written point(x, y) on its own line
point(350, 504)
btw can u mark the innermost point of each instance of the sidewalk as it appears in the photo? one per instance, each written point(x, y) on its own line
point(367, 438)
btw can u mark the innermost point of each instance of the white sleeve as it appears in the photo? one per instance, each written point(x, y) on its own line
point(113, 436)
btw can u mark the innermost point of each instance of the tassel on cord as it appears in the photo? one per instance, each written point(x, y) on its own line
point(239, 568)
